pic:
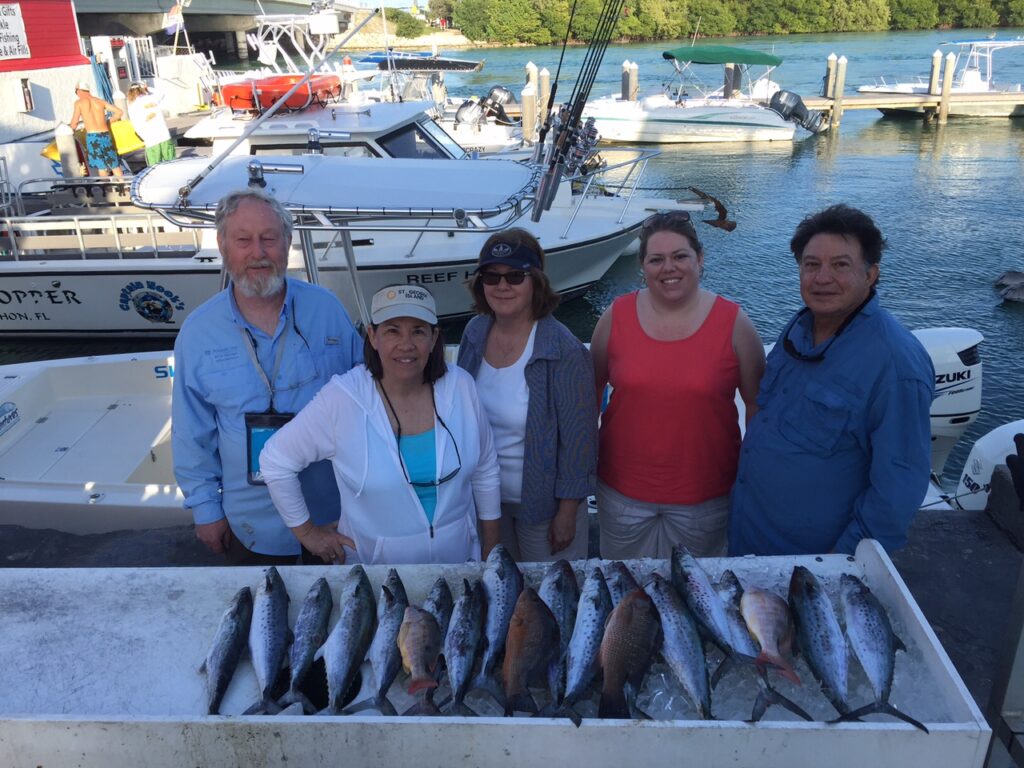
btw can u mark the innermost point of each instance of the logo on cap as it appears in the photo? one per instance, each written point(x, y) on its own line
point(390, 295)
point(501, 250)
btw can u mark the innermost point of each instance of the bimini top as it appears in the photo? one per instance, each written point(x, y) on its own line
point(721, 54)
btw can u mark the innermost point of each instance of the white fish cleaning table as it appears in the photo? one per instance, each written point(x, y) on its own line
point(99, 667)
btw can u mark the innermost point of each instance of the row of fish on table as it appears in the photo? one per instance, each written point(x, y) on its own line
point(507, 639)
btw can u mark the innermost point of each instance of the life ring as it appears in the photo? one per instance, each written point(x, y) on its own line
point(264, 92)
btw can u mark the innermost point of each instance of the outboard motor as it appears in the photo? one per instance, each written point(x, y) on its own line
point(494, 104)
point(957, 362)
point(988, 453)
point(791, 107)
point(469, 112)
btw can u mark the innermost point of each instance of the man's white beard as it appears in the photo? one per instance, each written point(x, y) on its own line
point(259, 287)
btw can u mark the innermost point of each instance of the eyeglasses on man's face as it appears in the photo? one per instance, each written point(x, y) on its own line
point(512, 277)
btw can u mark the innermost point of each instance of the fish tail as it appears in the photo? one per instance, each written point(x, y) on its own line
point(768, 696)
point(766, 660)
point(613, 706)
point(379, 703)
point(422, 707)
point(520, 702)
point(880, 707)
point(487, 683)
point(560, 710)
point(265, 706)
point(420, 683)
point(461, 708)
point(295, 696)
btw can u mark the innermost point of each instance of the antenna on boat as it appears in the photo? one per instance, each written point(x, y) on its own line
point(693, 39)
point(186, 190)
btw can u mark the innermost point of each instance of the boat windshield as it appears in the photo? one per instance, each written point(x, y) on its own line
point(425, 140)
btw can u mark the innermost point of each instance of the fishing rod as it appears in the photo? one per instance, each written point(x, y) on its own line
point(550, 106)
point(569, 129)
point(190, 185)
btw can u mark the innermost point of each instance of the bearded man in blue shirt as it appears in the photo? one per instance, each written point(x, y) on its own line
point(245, 362)
point(839, 449)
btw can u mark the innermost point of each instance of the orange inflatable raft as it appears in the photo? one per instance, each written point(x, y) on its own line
point(264, 92)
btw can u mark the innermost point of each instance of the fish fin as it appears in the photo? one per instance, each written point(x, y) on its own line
point(419, 684)
point(202, 668)
point(784, 668)
point(520, 702)
point(295, 709)
point(561, 710)
point(898, 644)
point(265, 706)
point(768, 696)
point(296, 697)
point(462, 709)
point(421, 708)
point(727, 663)
point(489, 685)
point(378, 703)
point(613, 706)
point(880, 707)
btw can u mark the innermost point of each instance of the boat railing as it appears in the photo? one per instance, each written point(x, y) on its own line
point(602, 181)
point(93, 236)
point(7, 191)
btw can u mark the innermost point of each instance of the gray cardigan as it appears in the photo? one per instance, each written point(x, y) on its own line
point(560, 450)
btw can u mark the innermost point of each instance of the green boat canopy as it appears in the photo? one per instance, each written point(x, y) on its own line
point(721, 54)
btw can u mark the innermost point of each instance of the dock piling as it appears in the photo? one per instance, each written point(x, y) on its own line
point(544, 94)
point(837, 92)
point(528, 99)
point(934, 72)
point(947, 87)
point(830, 76)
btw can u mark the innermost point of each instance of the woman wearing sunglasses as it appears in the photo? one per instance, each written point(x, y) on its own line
point(412, 450)
point(674, 354)
point(535, 381)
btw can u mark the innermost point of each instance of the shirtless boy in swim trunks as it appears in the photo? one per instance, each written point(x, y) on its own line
point(100, 146)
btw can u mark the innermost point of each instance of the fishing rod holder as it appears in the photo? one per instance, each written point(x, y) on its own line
point(258, 170)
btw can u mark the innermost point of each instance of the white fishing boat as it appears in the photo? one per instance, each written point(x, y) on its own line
point(973, 74)
point(100, 263)
point(85, 442)
point(745, 109)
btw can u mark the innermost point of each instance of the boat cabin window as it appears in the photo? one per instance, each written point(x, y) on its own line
point(339, 150)
point(420, 140)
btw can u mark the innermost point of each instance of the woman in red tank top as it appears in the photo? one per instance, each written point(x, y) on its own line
point(674, 355)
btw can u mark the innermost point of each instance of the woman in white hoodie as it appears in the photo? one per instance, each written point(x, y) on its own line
point(412, 450)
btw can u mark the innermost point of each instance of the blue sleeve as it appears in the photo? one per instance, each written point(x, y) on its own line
point(900, 444)
point(197, 464)
point(576, 409)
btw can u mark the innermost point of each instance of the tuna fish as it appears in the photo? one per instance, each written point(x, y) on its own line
point(268, 638)
point(531, 648)
point(875, 645)
point(310, 633)
point(346, 646)
point(819, 635)
point(630, 640)
point(385, 657)
point(462, 642)
point(620, 581)
point(682, 646)
point(502, 583)
point(419, 640)
point(222, 658)
point(561, 594)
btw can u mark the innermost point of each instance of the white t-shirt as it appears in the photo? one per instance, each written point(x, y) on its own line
point(148, 119)
point(505, 397)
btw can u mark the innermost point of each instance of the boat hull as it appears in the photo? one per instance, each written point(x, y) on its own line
point(695, 121)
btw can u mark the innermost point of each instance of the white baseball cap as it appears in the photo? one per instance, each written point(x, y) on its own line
point(83, 85)
point(403, 301)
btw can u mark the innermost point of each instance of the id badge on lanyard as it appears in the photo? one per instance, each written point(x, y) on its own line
point(260, 427)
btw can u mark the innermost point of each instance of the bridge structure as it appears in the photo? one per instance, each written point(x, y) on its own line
point(221, 25)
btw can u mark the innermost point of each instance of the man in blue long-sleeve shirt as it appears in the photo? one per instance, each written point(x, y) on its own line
point(840, 447)
point(259, 349)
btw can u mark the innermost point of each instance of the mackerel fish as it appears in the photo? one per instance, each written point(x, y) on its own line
point(819, 636)
point(346, 646)
point(874, 643)
point(268, 638)
point(310, 633)
point(462, 642)
point(222, 658)
point(385, 657)
point(682, 646)
point(439, 604)
point(561, 594)
point(502, 582)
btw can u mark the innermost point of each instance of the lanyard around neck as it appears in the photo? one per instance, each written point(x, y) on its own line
point(250, 345)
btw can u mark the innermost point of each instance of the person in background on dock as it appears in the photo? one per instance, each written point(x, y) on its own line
point(839, 449)
point(412, 450)
point(99, 144)
point(535, 381)
point(674, 354)
point(148, 120)
point(245, 361)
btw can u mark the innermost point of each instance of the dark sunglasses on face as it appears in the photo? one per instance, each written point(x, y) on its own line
point(514, 277)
